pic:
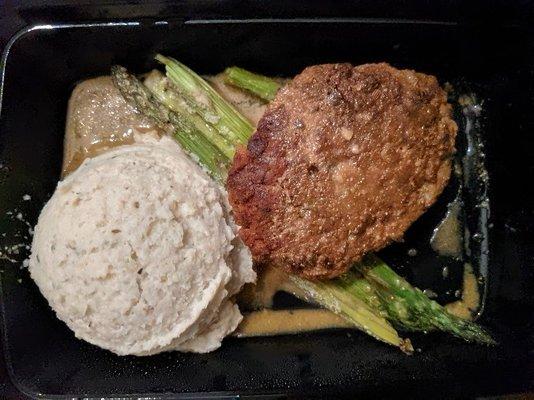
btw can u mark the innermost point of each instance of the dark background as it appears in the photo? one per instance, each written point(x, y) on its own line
point(16, 14)
point(515, 224)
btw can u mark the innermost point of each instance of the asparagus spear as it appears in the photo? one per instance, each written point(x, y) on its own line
point(262, 86)
point(410, 309)
point(335, 297)
point(168, 95)
point(190, 138)
point(207, 102)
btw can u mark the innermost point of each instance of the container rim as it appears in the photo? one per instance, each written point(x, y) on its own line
point(163, 22)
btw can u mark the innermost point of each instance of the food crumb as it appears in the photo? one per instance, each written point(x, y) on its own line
point(4, 256)
point(26, 197)
point(412, 252)
point(430, 293)
point(449, 88)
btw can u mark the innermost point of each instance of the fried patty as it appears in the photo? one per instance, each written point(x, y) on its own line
point(343, 161)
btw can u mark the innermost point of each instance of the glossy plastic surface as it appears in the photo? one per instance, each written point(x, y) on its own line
point(43, 64)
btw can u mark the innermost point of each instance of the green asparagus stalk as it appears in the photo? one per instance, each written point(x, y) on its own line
point(262, 86)
point(207, 102)
point(410, 309)
point(190, 138)
point(335, 297)
point(166, 93)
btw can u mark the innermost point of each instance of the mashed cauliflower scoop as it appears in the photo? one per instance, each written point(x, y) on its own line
point(137, 253)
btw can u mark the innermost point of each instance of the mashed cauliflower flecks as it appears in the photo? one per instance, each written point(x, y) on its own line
point(137, 253)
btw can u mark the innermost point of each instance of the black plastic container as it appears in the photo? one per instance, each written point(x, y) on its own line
point(42, 65)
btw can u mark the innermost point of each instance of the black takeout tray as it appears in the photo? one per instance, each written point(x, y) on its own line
point(42, 65)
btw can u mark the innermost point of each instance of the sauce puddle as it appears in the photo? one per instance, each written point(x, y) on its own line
point(468, 305)
point(447, 236)
point(279, 322)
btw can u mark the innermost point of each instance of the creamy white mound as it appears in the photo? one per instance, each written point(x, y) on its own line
point(136, 252)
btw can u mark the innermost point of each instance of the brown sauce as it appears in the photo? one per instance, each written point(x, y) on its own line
point(98, 118)
point(447, 240)
point(95, 149)
point(278, 322)
point(260, 295)
point(249, 105)
point(447, 237)
point(468, 305)
point(263, 321)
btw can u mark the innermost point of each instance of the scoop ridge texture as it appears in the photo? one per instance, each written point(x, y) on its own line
point(135, 249)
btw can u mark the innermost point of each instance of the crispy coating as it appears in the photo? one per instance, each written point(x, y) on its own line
point(343, 161)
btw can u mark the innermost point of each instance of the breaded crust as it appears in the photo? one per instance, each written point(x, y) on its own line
point(343, 161)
